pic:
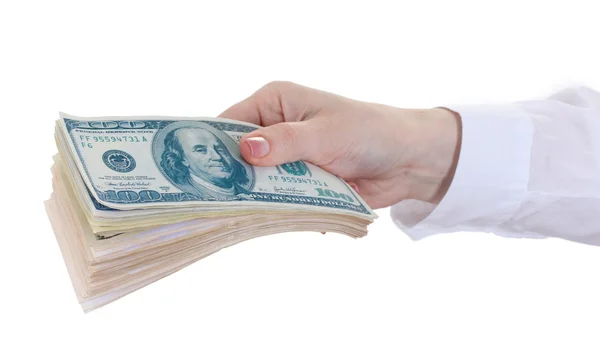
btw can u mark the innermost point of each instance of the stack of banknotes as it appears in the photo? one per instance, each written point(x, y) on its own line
point(137, 198)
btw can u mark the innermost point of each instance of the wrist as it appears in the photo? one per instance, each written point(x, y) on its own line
point(437, 142)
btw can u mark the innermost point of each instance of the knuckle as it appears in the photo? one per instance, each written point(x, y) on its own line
point(287, 138)
point(276, 89)
point(270, 97)
point(287, 134)
point(268, 92)
point(267, 99)
point(278, 85)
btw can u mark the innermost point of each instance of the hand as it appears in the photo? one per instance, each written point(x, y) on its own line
point(387, 154)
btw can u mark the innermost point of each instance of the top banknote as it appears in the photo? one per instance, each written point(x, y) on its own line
point(132, 163)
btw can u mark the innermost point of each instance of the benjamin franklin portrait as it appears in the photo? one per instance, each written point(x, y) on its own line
point(197, 160)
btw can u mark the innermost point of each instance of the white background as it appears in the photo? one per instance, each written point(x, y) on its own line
point(294, 291)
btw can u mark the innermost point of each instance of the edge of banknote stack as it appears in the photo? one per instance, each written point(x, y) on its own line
point(124, 219)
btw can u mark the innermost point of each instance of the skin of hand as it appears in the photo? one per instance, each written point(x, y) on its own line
point(387, 154)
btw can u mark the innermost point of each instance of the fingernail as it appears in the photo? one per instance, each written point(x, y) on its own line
point(259, 146)
point(355, 187)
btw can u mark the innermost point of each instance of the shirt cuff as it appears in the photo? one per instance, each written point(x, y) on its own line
point(491, 177)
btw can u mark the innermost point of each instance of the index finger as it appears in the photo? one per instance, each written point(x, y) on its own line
point(274, 103)
point(264, 107)
point(246, 111)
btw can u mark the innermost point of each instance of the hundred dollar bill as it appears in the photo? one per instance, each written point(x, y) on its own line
point(133, 163)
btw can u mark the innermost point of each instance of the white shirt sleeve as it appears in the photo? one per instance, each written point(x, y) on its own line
point(528, 169)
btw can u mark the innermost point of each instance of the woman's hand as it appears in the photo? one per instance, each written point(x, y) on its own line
point(388, 154)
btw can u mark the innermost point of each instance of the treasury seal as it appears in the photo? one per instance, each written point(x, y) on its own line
point(297, 168)
point(119, 161)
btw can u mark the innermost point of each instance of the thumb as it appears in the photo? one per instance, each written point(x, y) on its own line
point(280, 143)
